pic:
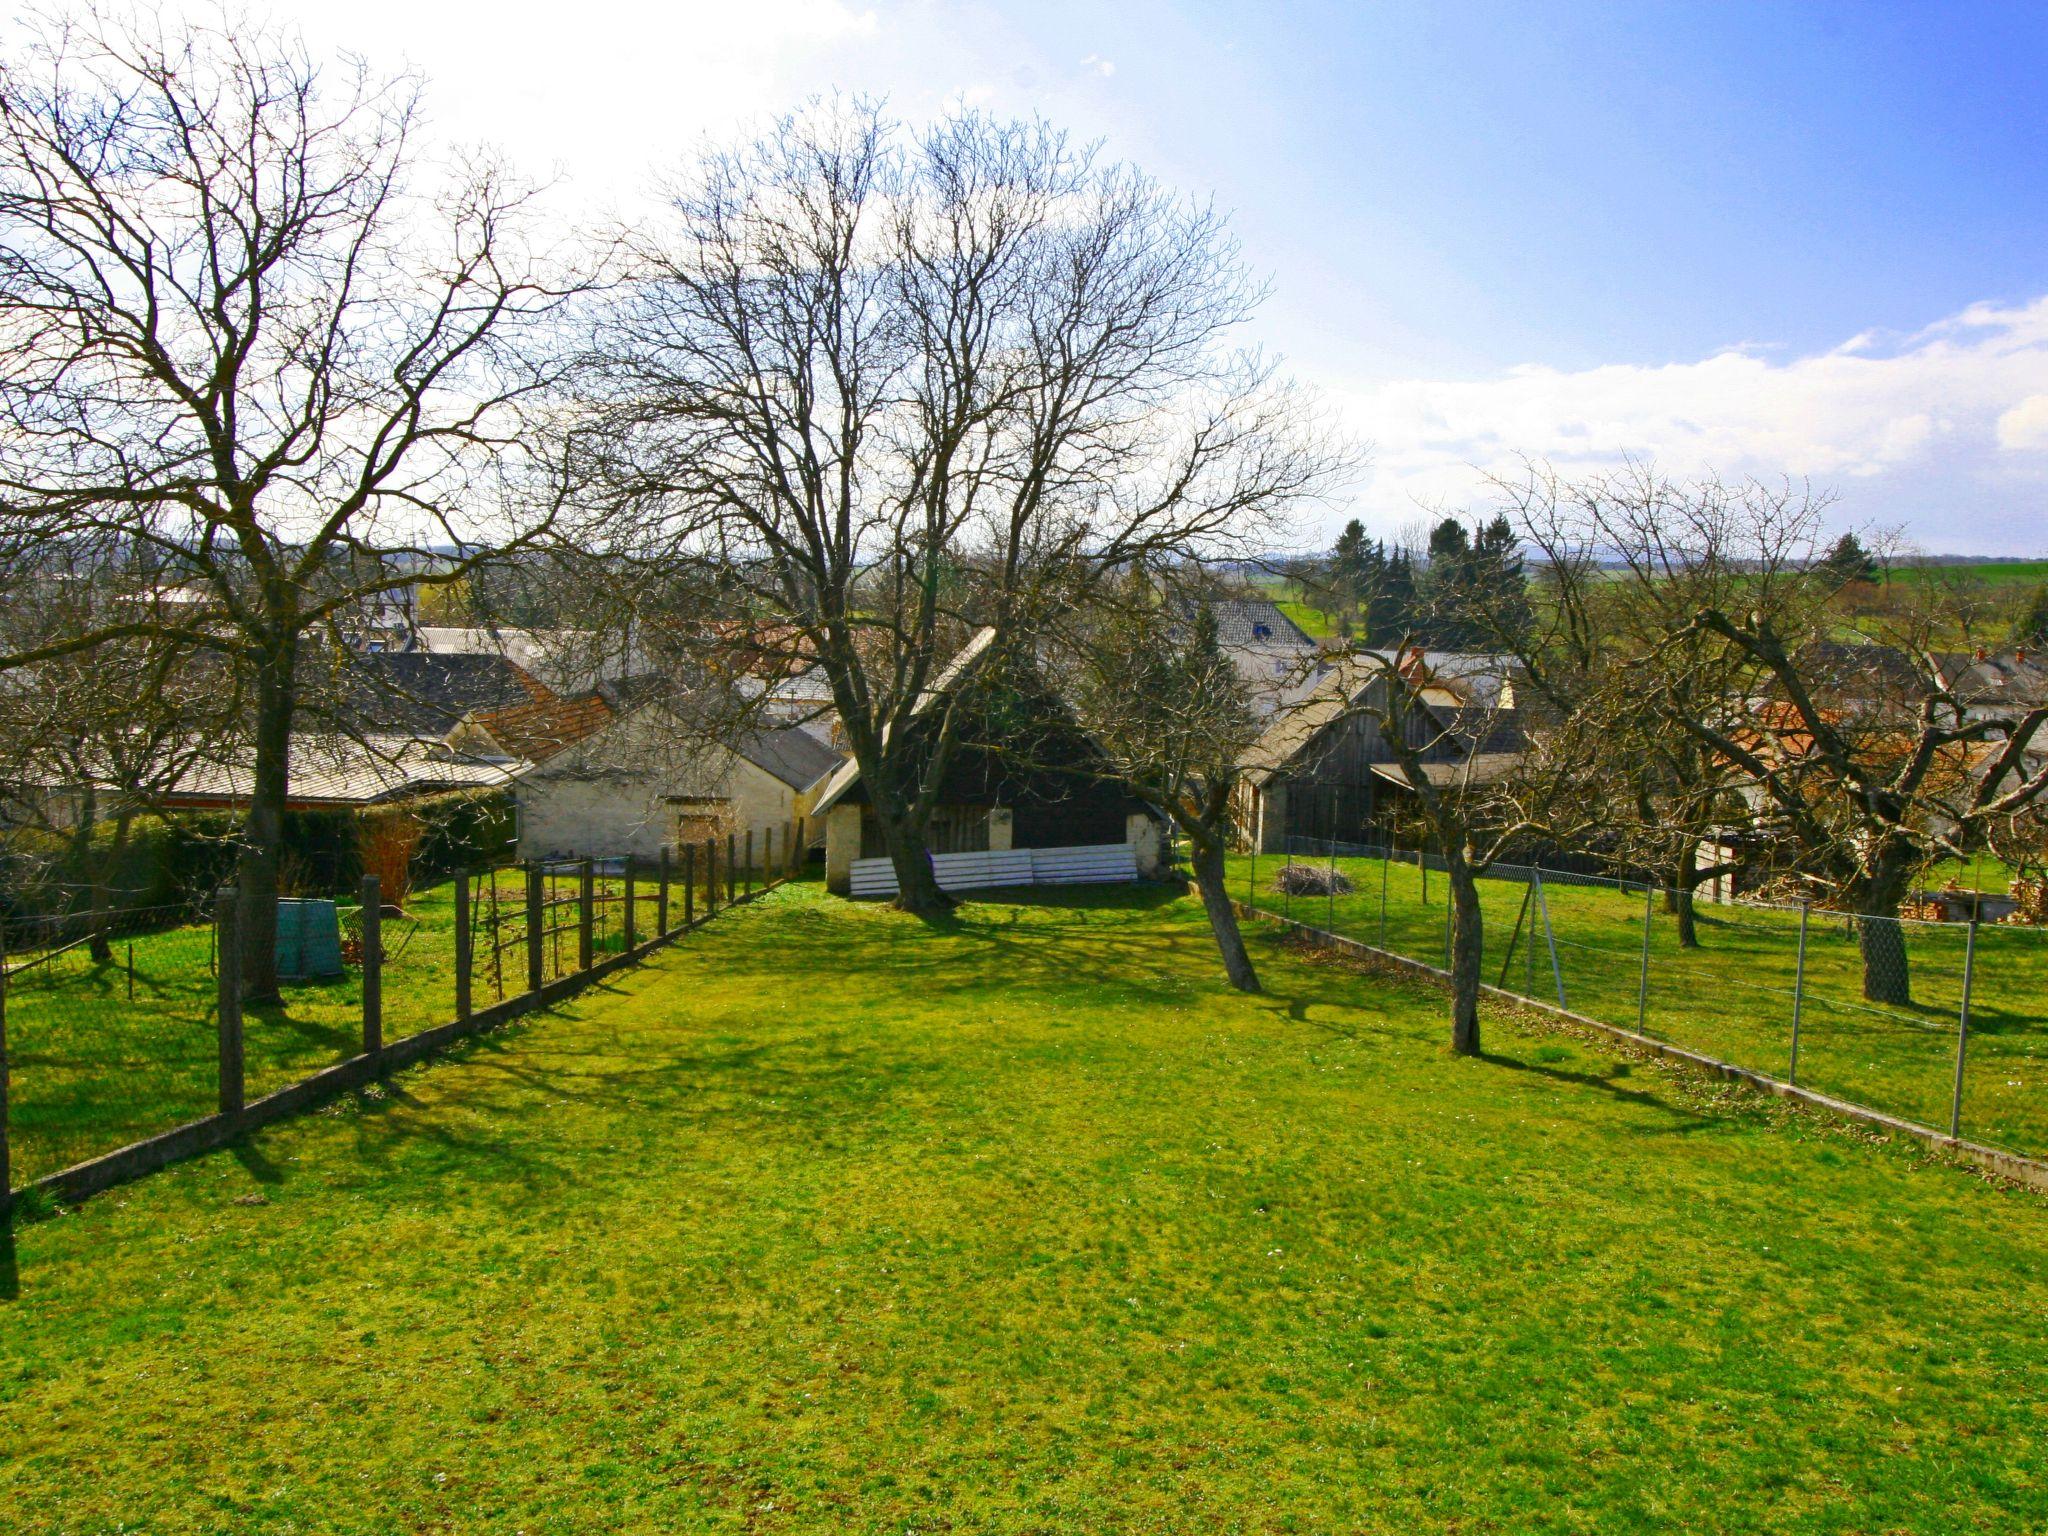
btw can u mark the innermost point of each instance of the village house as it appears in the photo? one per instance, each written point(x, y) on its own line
point(644, 782)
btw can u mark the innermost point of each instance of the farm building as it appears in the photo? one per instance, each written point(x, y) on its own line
point(642, 783)
point(1009, 812)
point(1323, 769)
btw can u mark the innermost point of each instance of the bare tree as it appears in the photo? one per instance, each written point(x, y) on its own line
point(93, 739)
point(882, 388)
point(239, 341)
point(1627, 560)
point(1147, 679)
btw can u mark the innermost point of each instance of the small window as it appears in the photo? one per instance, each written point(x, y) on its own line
point(1262, 631)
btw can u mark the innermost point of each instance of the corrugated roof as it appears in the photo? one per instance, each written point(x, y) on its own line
point(330, 770)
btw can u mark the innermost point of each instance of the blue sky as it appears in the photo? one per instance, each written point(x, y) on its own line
point(1808, 240)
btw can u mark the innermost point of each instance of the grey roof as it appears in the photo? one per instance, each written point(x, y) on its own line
point(2004, 679)
point(791, 753)
point(1241, 620)
point(420, 693)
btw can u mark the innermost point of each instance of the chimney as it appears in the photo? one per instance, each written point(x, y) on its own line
point(1982, 654)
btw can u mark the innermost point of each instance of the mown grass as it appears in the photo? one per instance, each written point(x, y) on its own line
point(104, 1054)
point(1732, 996)
point(831, 1221)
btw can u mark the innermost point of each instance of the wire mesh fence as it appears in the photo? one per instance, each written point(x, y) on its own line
point(1942, 1023)
point(111, 1028)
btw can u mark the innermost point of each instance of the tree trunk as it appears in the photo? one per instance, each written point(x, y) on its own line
point(1880, 938)
point(917, 884)
point(102, 885)
point(1678, 899)
point(1210, 881)
point(84, 869)
point(263, 826)
point(1468, 939)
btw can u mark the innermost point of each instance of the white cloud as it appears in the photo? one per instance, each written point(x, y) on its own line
point(1853, 417)
point(1096, 64)
point(2024, 428)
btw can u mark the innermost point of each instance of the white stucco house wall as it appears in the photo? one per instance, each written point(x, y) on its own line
point(640, 785)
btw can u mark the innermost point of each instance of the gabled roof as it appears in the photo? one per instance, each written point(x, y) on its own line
point(1479, 768)
point(1256, 621)
point(968, 656)
point(791, 754)
point(342, 771)
point(536, 731)
point(1294, 727)
point(2016, 679)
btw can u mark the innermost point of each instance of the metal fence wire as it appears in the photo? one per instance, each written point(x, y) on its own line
point(1942, 1023)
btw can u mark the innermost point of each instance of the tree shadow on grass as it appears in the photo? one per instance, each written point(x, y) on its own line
point(1606, 1083)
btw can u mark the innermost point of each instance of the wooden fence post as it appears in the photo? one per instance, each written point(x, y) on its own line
point(373, 967)
point(536, 954)
point(586, 913)
point(710, 876)
point(6, 1176)
point(228, 996)
point(661, 895)
point(465, 957)
point(749, 887)
point(732, 868)
point(689, 885)
point(631, 933)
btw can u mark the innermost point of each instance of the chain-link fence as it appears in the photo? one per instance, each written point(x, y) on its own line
point(1942, 1023)
point(111, 1028)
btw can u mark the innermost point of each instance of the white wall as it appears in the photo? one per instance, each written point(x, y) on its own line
point(611, 794)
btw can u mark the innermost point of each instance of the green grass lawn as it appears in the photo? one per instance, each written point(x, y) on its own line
point(100, 1059)
point(1732, 997)
point(829, 1221)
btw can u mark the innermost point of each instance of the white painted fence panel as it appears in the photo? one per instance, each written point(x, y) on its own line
point(1094, 864)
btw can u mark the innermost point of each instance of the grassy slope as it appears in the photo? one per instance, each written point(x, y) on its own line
point(828, 1222)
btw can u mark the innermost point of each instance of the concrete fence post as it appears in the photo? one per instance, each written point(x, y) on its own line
point(536, 930)
point(1643, 975)
point(1798, 993)
point(1550, 940)
point(1386, 857)
point(228, 995)
point(661, 894)
point(373, 966)
point(1955, 1108)
point(586, 915)
point(465, 955)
